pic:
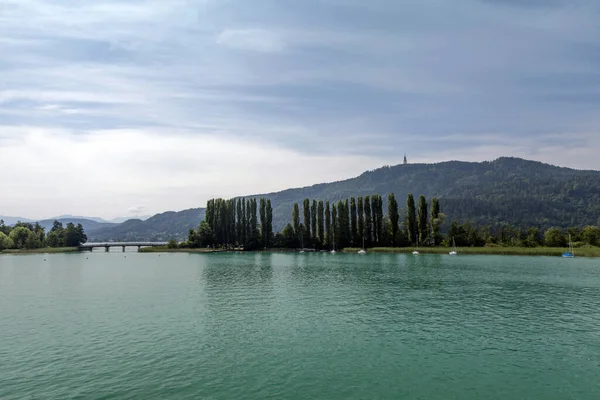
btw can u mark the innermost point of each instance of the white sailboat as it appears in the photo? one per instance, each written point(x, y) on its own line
point(453, 252)
point(362, 251)
point(416, 252)
point(570, 253)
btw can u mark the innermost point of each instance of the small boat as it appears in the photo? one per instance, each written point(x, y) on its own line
point(453, 252)
point(570, 253)
point(362, 251)
point(416, 252)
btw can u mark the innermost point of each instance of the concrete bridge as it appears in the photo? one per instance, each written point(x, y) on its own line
point(108, 245)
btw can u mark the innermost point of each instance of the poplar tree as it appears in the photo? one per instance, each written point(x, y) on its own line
point(374, 209)
point(422, 220)
point(269, 225)
point(368, 221)
point(243, 216)
point(361, 220)
point(210, 213)
point(320, 224)
point(296, 221)
point(435, 219)
point(393, 215)
point(334, 228)
point(240, 224)
point(411, 219)
point(313, 222)
point(328, 230)
point(263, 221)
point(306, 214)
point(353, 223)
point(380, 226)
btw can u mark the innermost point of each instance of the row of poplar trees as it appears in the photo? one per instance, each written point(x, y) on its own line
point(360, 222)
point(234, 222)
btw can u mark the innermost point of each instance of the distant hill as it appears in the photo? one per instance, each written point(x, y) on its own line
point(160, 227)
point(69, 216)
point(13, 220)
point(505, 191)
point(89, 226)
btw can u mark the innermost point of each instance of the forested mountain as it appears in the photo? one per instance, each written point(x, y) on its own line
point(164, 226)
point(505, 191)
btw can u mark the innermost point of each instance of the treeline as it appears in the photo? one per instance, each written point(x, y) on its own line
point(511, 236)
point(234, 223)
point(361, 222)
point(32, 236)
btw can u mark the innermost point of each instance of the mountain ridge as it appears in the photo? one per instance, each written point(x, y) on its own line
point(507, 190)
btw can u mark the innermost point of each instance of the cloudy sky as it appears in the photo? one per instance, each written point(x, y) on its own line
point(119, 107)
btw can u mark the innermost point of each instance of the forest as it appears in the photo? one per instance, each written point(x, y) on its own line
point(28, 236)
point(363, 222)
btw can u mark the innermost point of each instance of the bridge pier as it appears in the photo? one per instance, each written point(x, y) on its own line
point(139, 248)
point(107, 248)
point(123, 249)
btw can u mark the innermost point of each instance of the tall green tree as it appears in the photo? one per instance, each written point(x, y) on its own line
point(296, 220)
point(368, 221)
point(240, 223)
point(306, 214)
point(328, 228)
point(435, 220)
point(269, 225)
point(244, 237)
point(378, 218)
point(411, 219)
point(321, 224)
point(393, 215)
point(334, 226)
point(361, 221)
point(313, 222)
point(422, 220)
point(263, 221)
point(356, 240)
point(210, 213)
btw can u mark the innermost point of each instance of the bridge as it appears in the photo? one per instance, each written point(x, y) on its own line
point(108, 245)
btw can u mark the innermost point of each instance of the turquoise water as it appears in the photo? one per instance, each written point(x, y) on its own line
point(298, 326)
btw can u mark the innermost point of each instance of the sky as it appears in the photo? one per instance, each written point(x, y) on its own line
point(127, 107)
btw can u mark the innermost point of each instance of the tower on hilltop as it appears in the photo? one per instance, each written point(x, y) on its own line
point(405, 162)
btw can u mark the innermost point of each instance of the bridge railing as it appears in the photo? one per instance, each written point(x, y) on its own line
point(122, 244)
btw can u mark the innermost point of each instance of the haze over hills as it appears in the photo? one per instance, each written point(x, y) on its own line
point(504, 191)
point(163, 226)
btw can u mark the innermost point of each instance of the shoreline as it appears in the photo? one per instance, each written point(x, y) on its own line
point(516, 251)
point(44, 250)
point(503, 251)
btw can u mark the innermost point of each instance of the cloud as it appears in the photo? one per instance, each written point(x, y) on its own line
point(111, 169)
point(111, 103)
point(136, 209)
point(251, 39)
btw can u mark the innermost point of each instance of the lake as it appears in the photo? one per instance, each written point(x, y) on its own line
point(298, 326)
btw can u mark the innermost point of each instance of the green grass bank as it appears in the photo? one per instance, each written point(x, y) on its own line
point(44, 250)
